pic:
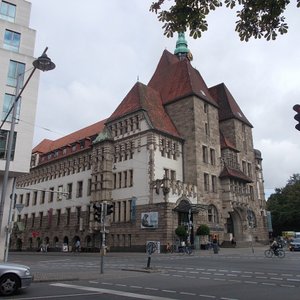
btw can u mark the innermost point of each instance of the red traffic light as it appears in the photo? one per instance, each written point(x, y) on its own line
point(296, 108)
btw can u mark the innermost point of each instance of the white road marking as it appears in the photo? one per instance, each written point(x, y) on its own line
point(107, 291)
point(168, 291)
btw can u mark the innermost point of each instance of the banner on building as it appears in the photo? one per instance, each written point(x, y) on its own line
point(133, 209)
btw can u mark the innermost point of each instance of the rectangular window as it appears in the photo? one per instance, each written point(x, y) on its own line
point(167, 173)
point(120, 179)
point(34, 201)
point(79, 189)
point(125, 179)
point(25, 220)
point(58, 215)
point(32, 220)
point(4, 135)
point(78, 214)
point(11, 40)
point(249, 170)
point(214, 183)
point(206, 129)
point(68, 212)
point(27, 199)
point(89, 187)
point(43, 196)
point(51, 194)
point(205, 154)
point(212, 156)
point(173, 175)
point(59, 194)
point(7, 11)
point(21, 199)
point(41, 219)
point(115, 180)
point(7, 105)
point(69, 190)
point(244, 167)
point(15, 69)
point(130, 177)
point(206, 182)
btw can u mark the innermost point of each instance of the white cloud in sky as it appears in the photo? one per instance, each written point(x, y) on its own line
point(101, 47)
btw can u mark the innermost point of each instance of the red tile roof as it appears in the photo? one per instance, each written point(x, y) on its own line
point(234, 173)
point(176, 79)
point(225, 143)
point(48, 145)
point(228, 107)
point(141, 97)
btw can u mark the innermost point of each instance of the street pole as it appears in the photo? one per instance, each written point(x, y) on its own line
point(42, 63)
point(102, 252)
point(9, 222)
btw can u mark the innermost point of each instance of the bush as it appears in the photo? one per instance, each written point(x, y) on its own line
point(203, 230)
point(181, 232)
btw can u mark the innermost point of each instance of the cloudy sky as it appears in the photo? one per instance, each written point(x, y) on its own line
point(101, 48)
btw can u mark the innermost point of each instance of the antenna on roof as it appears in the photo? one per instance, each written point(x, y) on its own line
point(138, 78)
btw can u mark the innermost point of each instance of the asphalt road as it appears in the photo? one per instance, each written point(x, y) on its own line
point(231, 274)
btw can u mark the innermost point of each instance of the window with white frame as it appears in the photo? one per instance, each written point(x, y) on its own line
point(7, 105)
point(206, 182)
point(12, 40)
point(15, 69)
point(7, 11)
point(4, 135)
point(212, 214)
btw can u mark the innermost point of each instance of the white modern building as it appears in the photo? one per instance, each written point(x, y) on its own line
point(17, 42)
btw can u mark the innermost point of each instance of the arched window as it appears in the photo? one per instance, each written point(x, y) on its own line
point(251, 218)
point(212, 214)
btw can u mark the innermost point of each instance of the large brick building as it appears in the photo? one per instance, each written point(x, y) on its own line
point(174, 152)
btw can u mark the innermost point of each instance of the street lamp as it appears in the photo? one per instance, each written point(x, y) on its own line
point(43, 63)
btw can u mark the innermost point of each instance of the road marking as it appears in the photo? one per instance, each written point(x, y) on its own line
point(267, 283)
point(287, 285)
point(292, 279)
point(251, 282)
point(276, 278)
point(107, 291)
point(207, 296)
point(60, 296)
point(187, 293)
point(169, 291)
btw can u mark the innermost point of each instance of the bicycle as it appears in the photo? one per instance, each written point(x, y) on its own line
point(185, 250)
point(271, 252)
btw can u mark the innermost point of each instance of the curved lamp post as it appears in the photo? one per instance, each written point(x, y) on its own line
point(43, 63)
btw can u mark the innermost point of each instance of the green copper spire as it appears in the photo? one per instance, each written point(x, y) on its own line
point(181, 44)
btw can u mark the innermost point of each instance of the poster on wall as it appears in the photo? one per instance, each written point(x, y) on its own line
point(149, 220)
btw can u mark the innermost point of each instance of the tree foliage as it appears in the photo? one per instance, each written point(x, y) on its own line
point(284, 206)
point(181, 232)
point(203, 230)
point(256, 18)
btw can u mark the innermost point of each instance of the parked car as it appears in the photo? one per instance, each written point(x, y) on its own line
point(14, 277)
point(295, 244)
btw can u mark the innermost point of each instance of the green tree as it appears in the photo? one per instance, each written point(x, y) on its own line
point(203, 230)
point(181, 232)
point(258, 19)
point(284, 206)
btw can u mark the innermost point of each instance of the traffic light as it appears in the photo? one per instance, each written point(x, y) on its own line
point(296, 108)
point(97, 212)
point(109, 209)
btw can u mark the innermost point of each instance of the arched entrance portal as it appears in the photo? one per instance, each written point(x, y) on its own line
point(186, 211)
point(234, 225)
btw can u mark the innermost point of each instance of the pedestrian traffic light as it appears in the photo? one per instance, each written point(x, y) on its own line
point(97, 212)
point(296, 108)
point(109, 209)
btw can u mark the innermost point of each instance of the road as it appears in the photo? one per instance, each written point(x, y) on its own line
point(232, 274)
